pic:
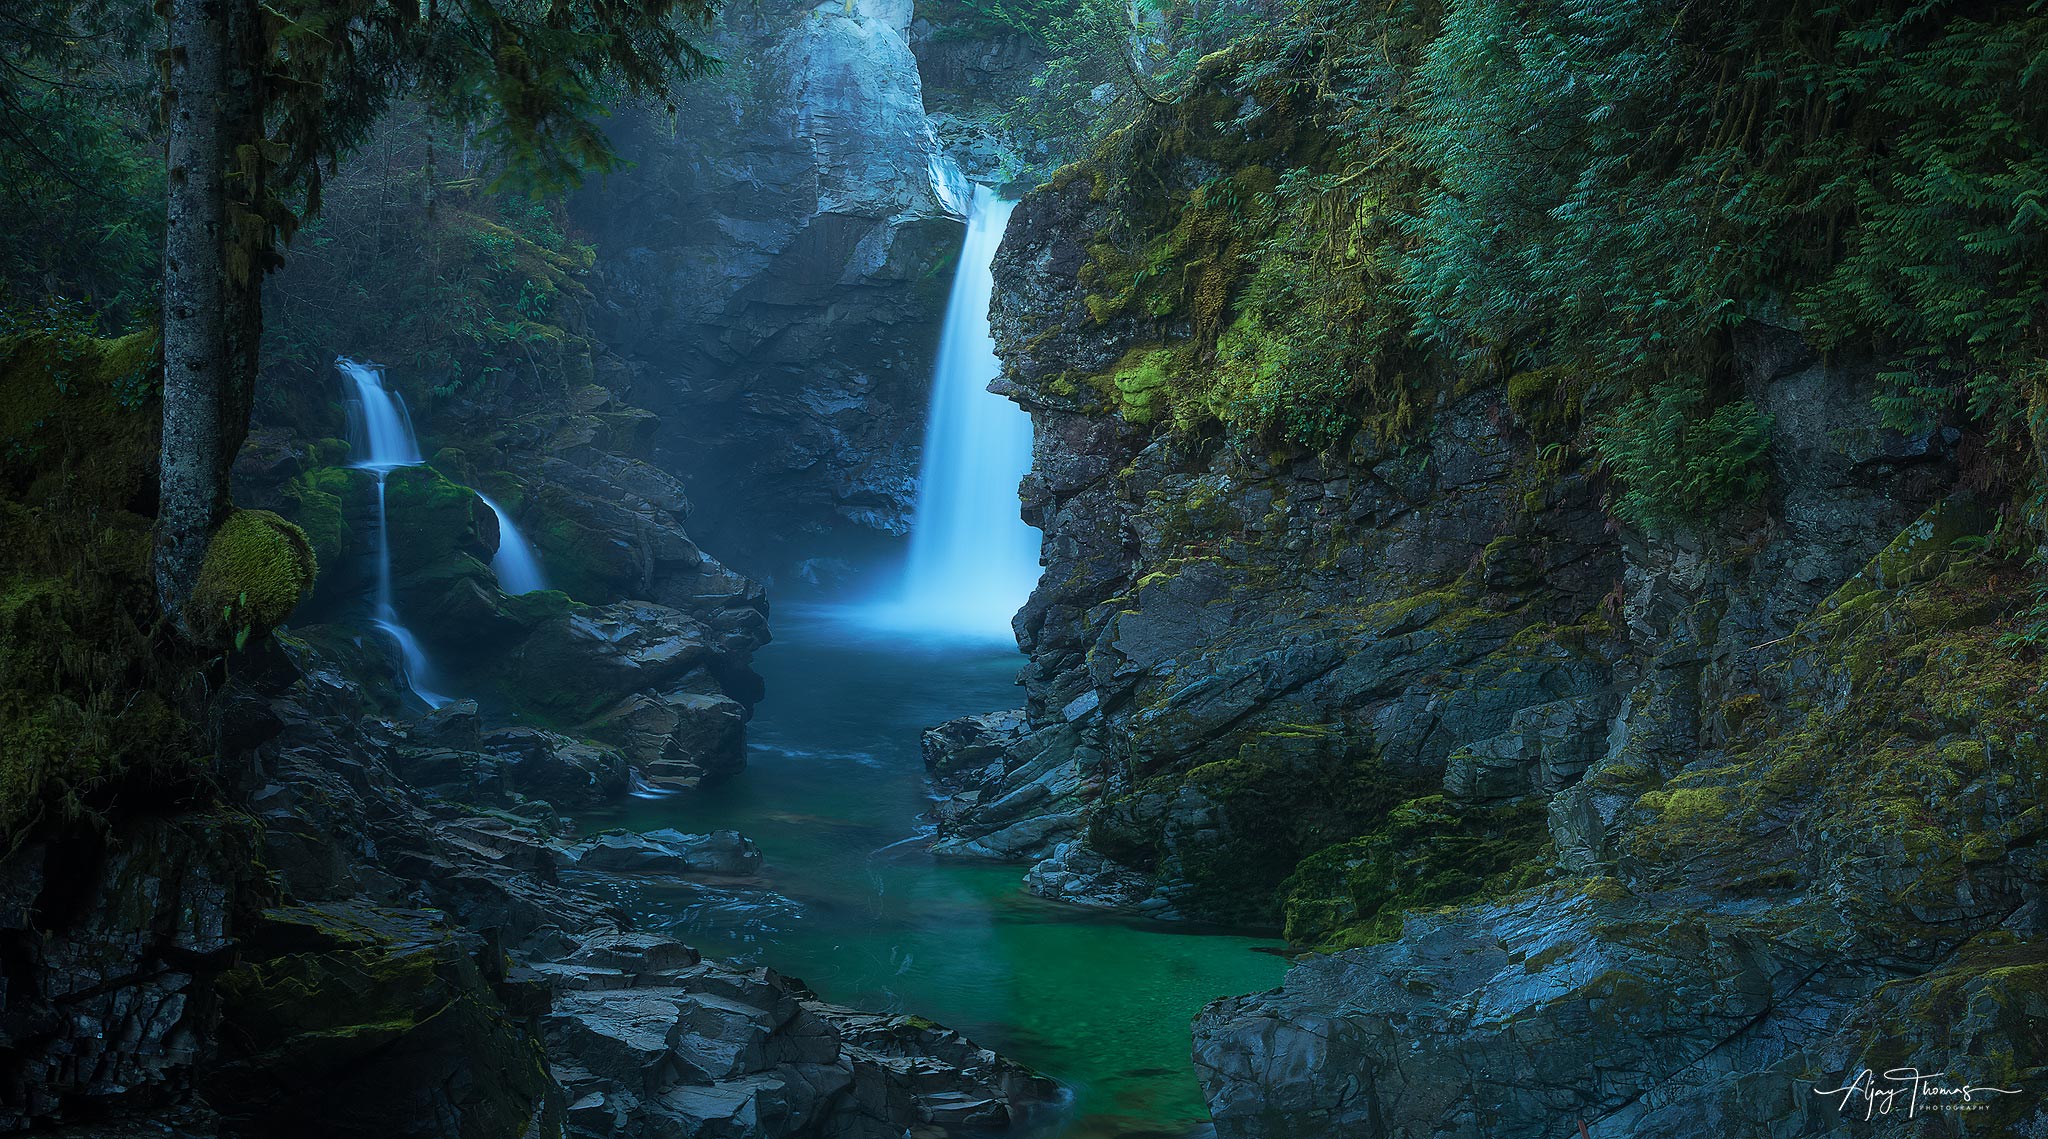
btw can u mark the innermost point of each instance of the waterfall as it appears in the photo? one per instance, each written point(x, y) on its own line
point(515, 563)
point(380, 433)
point(973, 561)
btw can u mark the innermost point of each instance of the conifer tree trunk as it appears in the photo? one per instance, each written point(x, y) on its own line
point(211, 318)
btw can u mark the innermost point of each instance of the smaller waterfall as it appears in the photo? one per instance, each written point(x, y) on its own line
point(380, 435)
point(515, 563)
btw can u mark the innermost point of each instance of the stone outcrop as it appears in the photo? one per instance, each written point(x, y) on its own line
point(655, 1042)
point(1232, 657)
point(973, 70)
point(638, 655)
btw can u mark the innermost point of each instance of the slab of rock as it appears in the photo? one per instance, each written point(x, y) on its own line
point(664, 851)
point(565, 771)
point(958, 750)
point(666, 1048)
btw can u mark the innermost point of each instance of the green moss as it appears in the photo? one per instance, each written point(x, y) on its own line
point(317, 501)
point(1982, 1012)
point(364, 1009)
point(87, 683)
point(1428, 851)
point(1689, 805)
point(258, 567)
point(78, 423)
point(1546, 401)
point(1141, 384)
point(432, 521)
point(66, 728)
point(1265, 277)
point(1909, 749)
point(1289, 790)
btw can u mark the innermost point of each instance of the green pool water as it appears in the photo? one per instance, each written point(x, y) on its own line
point(849, 900)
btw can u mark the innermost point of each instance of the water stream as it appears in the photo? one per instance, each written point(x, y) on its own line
point(381, 433)
point(973, 561)
point(515, 563)
point(850, 899)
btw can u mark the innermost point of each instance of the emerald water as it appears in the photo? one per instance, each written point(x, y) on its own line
point(850, 901)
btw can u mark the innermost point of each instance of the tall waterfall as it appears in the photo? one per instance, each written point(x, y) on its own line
point(973, 561)
point(515, 563)
point(381, 434)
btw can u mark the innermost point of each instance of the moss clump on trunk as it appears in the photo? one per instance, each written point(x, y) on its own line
point(257, 569)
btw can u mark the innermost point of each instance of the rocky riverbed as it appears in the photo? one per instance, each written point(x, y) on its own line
point(436, 946)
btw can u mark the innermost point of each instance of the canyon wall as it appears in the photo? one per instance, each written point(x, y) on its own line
point(1658, 829)
point(774, 267)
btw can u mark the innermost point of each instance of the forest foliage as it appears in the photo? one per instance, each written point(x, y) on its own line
point(448, 256)
point(1596, 197)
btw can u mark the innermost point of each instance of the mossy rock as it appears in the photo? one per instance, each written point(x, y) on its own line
point(318, 500)
point(341, 1022)
point(79, 420)
point(431, 519)
point(1287, 791)
point(257, 569)
point(1430, 851)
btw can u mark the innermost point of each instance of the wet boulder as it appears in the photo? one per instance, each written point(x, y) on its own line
point(969, 744)
point(578, 663)
point(565, 771)
point(680, 736)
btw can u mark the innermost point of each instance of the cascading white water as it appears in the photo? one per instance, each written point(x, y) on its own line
point(515, 563)
point(381, 435)
point(973, 561)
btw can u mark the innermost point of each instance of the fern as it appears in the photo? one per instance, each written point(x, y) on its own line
point(1679, 467)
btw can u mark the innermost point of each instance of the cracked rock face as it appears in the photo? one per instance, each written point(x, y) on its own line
point(109, 951)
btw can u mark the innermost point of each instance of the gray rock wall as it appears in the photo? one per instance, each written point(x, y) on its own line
point(775, 266)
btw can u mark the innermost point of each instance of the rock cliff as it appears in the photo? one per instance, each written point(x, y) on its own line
point(775, 267)
point(1657, 830)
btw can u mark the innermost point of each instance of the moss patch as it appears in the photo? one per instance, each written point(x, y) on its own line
point(1429, 851)
point(343, 1017)
point(87, 685)
point(257, 569)
point(1289, 790)
point(1906, 750)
